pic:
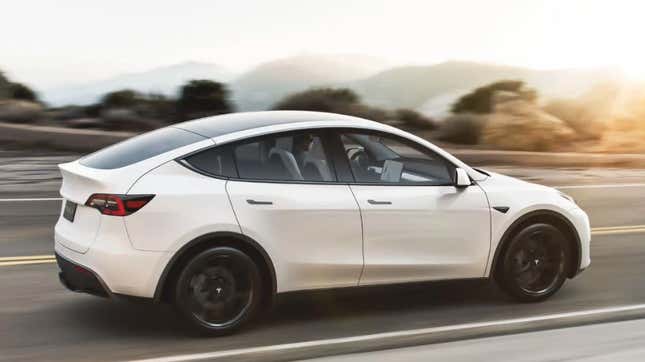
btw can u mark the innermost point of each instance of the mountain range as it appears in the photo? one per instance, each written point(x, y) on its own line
point(164, 80)
point(428, 88)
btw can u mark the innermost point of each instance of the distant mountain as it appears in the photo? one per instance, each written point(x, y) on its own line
point(264, 85)
point(165, 80)
point(433, 88)
point(430, 89)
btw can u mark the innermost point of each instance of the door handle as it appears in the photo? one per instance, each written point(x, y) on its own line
point(255, 202)
point(375, 202)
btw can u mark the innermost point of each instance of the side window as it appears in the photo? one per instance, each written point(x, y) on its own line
point(375, 158)
point(216, 161)
point(291, 157)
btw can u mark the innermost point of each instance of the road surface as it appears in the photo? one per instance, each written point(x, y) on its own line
point(40, 320)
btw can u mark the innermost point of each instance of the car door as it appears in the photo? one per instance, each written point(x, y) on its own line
point(287, 199)
point(416, 224)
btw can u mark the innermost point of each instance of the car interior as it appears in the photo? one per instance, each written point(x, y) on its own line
point(297, 157)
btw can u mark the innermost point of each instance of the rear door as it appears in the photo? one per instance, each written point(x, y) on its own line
point(417, 225)
point(286, 197)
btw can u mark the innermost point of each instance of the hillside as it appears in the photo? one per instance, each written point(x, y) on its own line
point(436, 86)
point(163, 80)
point(267, 83)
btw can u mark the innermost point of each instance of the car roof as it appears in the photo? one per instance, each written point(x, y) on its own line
point(216, 126)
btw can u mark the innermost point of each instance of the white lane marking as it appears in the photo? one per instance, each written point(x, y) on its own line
point(396, 334)
point(608, 186)
point(33, 199)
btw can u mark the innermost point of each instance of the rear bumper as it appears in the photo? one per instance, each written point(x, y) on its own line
point(80, 279)
point(112, 262)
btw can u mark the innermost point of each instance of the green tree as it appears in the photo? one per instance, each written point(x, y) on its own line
point(125, 98)
point(481, 99)
point(22, 92)
point(202, 98)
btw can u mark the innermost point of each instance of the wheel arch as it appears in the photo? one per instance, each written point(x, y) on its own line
point(547, 216)
point(230, 239)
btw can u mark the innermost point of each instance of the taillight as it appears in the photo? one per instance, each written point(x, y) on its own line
point(118, 205)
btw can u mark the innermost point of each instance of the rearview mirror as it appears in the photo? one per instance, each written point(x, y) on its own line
point(463, 180)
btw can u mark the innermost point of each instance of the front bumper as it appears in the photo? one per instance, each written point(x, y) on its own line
point(581, 222)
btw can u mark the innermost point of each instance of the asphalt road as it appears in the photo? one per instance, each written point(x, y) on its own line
point(620, 341)
point(39, 320)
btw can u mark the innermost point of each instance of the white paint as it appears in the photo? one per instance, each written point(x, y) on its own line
point(389, 335)
point(32, 199)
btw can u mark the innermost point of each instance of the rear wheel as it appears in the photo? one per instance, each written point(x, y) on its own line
point(218, 290)
point(535, 263)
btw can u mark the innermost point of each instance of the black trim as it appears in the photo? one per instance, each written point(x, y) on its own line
point(502, 209)
point(81, 279)
point(338, 161)
point(511, 229)
point(226, 235)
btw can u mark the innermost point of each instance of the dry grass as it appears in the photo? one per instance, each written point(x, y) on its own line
point(520, 125)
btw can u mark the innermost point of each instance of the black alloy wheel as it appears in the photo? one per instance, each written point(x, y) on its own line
point(535, 263)
point(218, 290)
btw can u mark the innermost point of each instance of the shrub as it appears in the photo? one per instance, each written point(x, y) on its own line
point(481, 100)
point(202, 98)
point(342, 101)
point(520, 125)
point(22, 92)
point(465, 128)
point(123, 119)
point(4, 86)
point(125, 98)
point(582, 118)
point(20, 111)
point(414, 119)
point(319, 99)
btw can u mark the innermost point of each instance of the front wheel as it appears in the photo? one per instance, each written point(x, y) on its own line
point(218, 290)
point(535, 263)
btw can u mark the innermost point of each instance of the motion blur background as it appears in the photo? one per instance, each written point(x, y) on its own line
point(501, 74)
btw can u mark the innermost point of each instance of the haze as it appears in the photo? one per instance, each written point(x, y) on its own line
point(55, 43)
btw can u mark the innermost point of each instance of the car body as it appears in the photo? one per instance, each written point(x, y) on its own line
point(314, 200)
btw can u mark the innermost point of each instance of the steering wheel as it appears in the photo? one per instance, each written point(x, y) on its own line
point(359, 159)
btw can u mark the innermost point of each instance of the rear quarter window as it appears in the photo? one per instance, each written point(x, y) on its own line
point(217, 161)
point(140, 148)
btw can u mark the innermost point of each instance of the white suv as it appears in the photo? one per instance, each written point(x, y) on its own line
point(220, 214)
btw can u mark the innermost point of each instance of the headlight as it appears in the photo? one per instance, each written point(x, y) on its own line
point(565, 196)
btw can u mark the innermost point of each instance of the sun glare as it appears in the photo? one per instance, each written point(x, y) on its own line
point(594, 33)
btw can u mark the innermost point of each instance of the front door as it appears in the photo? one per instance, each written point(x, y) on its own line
point(416, 224)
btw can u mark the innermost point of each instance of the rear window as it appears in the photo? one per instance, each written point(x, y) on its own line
point(140, 148)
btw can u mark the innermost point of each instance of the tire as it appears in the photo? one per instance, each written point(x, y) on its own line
point(535, 263)
point(218, 291)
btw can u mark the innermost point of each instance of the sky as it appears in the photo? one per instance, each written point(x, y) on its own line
point(51, 43)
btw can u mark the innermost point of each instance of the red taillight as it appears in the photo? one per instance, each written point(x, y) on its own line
point(118, 205)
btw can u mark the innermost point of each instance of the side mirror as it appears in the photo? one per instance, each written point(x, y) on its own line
point(463, 180)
